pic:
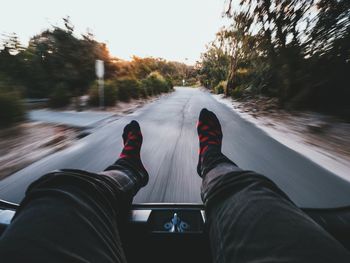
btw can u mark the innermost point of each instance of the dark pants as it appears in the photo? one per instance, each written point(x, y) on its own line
point(73, 216)
point(251, 220)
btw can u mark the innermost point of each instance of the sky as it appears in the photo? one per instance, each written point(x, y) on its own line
point(172, 29)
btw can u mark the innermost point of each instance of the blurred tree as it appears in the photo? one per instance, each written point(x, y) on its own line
point(58, 65)
point(214, 66)
point(275, 28)
point(328, 63)
point(57, 56)
point(295, 50)
point(11, 105)
point(10, 56)
point(140, 68)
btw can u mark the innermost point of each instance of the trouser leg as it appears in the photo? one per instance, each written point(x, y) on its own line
point(72, 216)
point(251, 220)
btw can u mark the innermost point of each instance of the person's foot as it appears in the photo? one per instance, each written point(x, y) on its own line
point(209, 134)
point(132, 138)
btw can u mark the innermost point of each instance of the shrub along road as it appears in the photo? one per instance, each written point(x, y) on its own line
point(170, 151)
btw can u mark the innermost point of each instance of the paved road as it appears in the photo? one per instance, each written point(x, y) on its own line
point(83, 119)
point(170, 154)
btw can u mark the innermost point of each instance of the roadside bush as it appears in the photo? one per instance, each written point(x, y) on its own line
point(237, 92)
point(221, 87)
point(110, 94)
point(155, 84)
point(192, 82)
point(146, 87)
point(143, 92)
point(60, 97)
point(11, 108)
point(129, 88)
point(169, 83)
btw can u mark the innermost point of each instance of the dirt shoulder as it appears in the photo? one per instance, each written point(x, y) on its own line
point(322, 138)
point(31, 141)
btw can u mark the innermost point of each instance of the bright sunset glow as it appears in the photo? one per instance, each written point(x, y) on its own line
point(175, 30)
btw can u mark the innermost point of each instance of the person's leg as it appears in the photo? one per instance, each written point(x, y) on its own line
point(249, 218)
point(73, 216)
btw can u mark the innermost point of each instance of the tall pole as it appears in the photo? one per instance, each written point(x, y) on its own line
point(101, 93)
point(100, 71)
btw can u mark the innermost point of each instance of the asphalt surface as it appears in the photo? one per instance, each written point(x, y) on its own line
point(83, 119)
point(170, 152)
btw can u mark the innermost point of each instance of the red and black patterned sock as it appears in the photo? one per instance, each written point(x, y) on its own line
point(132, 138)
point(210, 136)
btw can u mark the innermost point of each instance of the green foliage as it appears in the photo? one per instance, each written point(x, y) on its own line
point(170, 84)
point(295, 50)
point(110, 94)
point(214, 66)
point(238, 92)
point(60, 97)
point(59, 65)
point(52, 57)
point(11, 106)
point(221, 87)
point(140, 68)
point(155, 84)
point(128, 88)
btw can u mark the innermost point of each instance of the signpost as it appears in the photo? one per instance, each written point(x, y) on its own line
point(100, 72)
